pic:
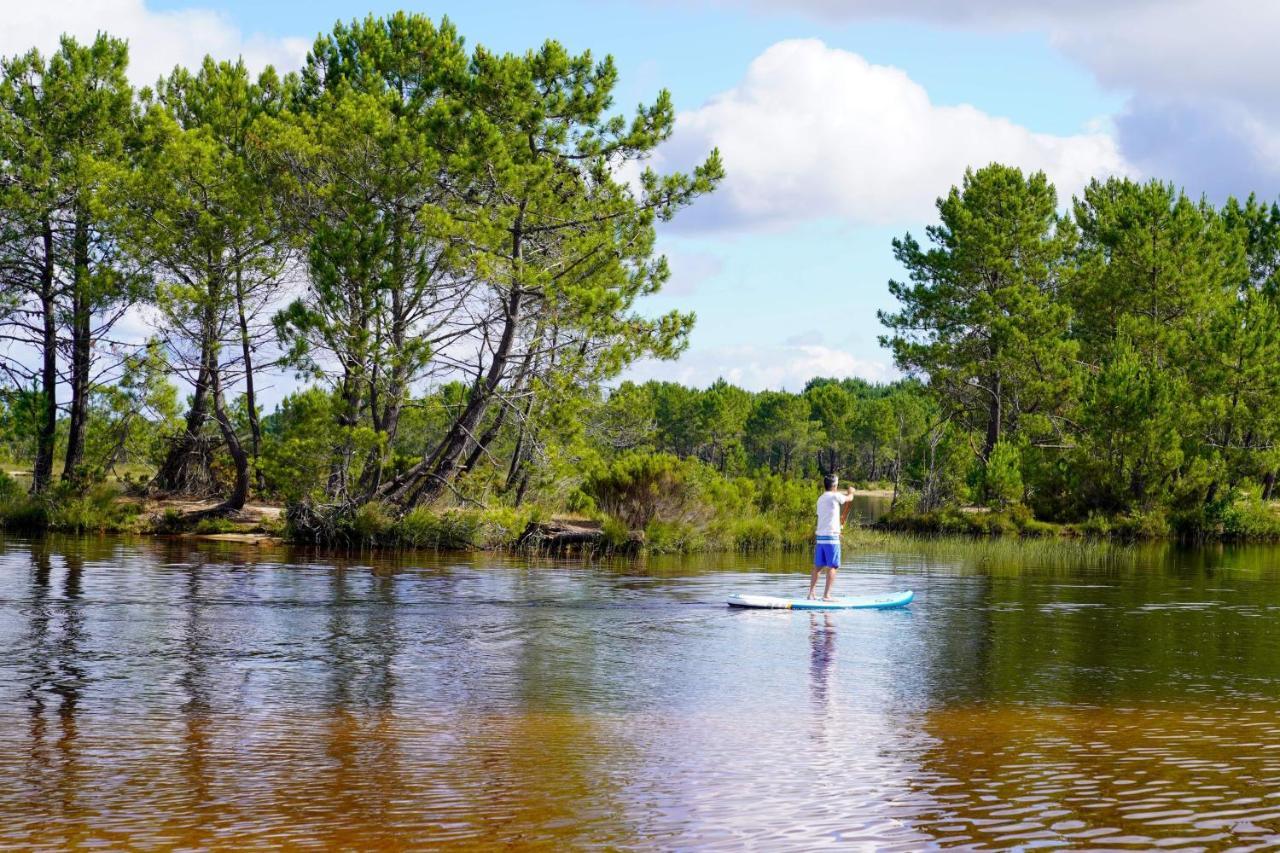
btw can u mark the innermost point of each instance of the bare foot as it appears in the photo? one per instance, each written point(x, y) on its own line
point(827, 598)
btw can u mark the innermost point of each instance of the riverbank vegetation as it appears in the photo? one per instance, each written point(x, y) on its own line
point(446, 250)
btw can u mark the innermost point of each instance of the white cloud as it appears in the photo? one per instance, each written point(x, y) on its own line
point(1223, 48)
point(812, 131)
point(756, 368)
point(157, 40)
point(1202, 69)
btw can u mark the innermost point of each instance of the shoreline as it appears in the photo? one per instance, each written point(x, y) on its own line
point(864, 537)
point(533, 530)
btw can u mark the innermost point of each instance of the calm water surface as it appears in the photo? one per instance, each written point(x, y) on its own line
point(156, 694)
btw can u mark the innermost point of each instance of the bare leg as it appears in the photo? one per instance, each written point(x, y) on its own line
point(831, 581)
point(813, 581)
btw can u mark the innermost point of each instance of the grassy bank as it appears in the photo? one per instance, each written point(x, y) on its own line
point(114, 508)
point(654, 509)
point(1237, 518)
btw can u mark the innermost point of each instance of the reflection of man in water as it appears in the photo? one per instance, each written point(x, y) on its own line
point(822, 653)
point(833, 509)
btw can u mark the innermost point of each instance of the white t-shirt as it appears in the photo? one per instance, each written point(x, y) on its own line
point(829, 504)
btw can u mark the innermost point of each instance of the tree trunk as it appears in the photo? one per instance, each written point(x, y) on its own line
point(428, 479)
point(518, 455)
point(994, 417)
point(46, 436)
point(1268, 485)
point(81, 352)
point(482, 444)
point(524, 487)
point(347, 419)
point(255, 428)
point(185, 467)
point(240, 491)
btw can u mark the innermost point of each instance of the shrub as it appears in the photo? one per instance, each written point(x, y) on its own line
point(615, 533)
point(1250, 518)
point(1034, 529)
point(673, 537)
point(1142, 524)
point(755, 534)
point(26, 514)
point(419, 528)
point(215, 525)
point(1233, 517)
point(370, 522)
point(1097, 525)
point(11, 490)
point(639, 488)
point(65, 509)
point(1002, 476)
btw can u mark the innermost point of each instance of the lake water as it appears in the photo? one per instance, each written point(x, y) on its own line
point(166, 693)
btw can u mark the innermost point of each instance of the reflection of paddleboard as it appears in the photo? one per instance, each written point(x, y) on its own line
point(875, 602)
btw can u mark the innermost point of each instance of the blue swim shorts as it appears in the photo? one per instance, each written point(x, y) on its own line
point(826, 552)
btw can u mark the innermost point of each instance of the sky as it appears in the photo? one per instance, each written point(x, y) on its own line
point(840, 122)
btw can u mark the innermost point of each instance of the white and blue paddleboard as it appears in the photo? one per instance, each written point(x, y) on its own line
point(857, 602)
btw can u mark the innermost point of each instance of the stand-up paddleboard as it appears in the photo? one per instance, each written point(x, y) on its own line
point(856, 602)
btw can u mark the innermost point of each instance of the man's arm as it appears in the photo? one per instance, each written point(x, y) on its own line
point(846, 505)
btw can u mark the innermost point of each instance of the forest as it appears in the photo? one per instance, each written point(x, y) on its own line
point(446, 251)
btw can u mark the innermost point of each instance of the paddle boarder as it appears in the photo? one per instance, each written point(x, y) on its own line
point(833, 509)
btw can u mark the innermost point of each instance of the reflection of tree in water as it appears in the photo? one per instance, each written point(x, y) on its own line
point(362, 739)
point(57, 675)
point(556, 752)
point(196, 654)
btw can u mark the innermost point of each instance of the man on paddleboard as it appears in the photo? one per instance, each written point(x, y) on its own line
point(833, 508)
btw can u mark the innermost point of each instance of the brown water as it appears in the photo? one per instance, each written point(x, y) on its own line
point(160, 694)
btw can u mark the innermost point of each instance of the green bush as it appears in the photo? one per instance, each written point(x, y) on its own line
point(423, 527)
point(1234, 517)
point(1096, 525)
point(370, 522)
point(11, 490)
point(1002, 476)
point(26, 514)
point(639, 488)
point(755, 534)
point(215, 525)
point(673, 537)
point(999, 524)
point(419, 528)
point(1141, 524)
point(64, 508)
point(1034, 529)
point(615, 533)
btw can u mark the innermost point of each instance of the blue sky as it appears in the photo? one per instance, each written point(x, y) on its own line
point(840, 121)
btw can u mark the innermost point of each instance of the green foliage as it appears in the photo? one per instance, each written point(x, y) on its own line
point(641, 488)
point(65, 508)
point(1233, 517)
point(755, 534)
point(1002, 476)
point(980, 315)
point(210, 525)
point(297, 441)
point(673, 537)
point(376, 524)
point(10, 490)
